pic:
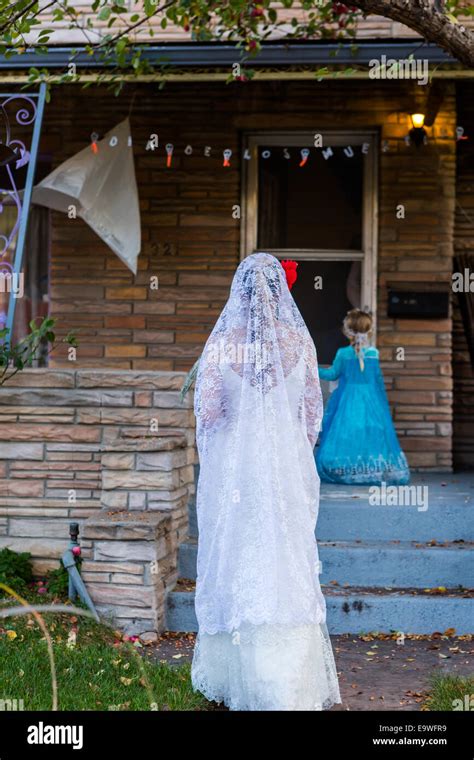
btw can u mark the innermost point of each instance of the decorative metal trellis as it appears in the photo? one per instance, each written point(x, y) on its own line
point(14, 154)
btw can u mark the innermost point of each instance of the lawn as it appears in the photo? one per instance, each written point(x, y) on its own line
point(450, 692)
point(96, 667)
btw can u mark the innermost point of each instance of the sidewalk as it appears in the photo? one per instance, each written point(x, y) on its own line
point(374, 673)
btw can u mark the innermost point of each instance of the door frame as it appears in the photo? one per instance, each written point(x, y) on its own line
point(305, 138)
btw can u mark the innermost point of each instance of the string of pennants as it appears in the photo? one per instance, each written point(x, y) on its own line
point(227, 154)
point(304, 153)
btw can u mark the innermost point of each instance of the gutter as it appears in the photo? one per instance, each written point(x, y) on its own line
point(216, 54)
point(212, 62)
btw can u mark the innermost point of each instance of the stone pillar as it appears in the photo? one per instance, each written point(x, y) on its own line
point(148, 474)
point(132, 547)
point(132, 566)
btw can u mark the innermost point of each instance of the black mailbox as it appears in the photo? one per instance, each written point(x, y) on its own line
point(415, 304)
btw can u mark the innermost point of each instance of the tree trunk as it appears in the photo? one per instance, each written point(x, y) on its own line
point(423, 17)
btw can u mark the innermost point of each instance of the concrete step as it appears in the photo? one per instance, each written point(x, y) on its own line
point(360, 610)
point(354, 521)
point(398, 564)
point(346, 514)
point(360, 521)
point(360, 542)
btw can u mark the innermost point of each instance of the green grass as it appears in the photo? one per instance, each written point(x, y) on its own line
point(445, 689)
point(99, 672)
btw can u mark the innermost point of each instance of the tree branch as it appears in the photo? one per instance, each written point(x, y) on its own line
point(15, 18)
point(141, 21)
point(431, 24)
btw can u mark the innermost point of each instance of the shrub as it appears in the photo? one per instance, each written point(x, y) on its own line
point(15, 570)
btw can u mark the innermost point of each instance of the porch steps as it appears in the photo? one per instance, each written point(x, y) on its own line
point(364, 609)
point(403, 552)
point(399, 564)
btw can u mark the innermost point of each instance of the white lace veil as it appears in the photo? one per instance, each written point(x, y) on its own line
point(258, 408)
point(258, 416)
point(258, 340)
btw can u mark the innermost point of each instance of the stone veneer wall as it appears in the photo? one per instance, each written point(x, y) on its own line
point(113, 451)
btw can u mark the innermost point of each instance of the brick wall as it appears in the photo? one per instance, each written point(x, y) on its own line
point(464, 245)
point(73, 442)
point(191, 241)
point(419, 249)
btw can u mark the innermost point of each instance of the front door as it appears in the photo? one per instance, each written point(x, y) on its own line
point(316, 205)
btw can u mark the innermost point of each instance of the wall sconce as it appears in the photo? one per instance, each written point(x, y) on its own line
point(418, 134)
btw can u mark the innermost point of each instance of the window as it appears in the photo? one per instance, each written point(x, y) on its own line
point(323, 214)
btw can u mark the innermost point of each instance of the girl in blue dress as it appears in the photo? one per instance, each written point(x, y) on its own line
point(358, 443)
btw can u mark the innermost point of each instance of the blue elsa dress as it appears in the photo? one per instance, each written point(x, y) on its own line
point(358, 443)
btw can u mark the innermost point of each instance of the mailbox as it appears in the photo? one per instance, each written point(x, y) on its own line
point(416, 304)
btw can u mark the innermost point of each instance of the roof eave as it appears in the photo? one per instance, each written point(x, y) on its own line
point(222, 54)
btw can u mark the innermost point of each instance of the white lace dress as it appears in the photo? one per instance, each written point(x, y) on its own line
point(262, 642)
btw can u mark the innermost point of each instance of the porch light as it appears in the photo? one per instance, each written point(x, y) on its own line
point(418, 131)
point(418, 120)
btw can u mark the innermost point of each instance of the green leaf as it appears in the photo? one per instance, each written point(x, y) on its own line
point(149, 6)
point(104, 13)
point(121, 45)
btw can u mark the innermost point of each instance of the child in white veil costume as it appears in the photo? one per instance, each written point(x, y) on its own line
point(262, 642)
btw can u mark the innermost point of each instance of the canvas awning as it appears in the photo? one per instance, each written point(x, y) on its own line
point(100, 187)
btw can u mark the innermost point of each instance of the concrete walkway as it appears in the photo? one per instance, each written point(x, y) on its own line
point(374, 674)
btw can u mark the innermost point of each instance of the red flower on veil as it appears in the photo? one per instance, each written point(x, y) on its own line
point(290, 270)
